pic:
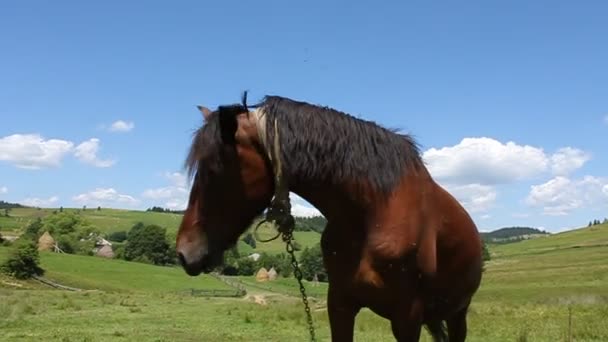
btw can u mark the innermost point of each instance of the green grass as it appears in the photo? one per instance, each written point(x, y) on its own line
point(528, 291)
point(94, 273)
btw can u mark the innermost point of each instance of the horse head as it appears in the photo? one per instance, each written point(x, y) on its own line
point(232, 185)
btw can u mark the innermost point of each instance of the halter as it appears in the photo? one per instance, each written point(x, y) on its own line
point(279, 210)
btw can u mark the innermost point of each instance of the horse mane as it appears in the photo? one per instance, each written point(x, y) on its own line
point(319, 142)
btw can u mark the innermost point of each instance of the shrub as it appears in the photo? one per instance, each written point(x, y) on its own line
point(148, 244)
point(23, 261)
point(311, 262)
point(118, 236)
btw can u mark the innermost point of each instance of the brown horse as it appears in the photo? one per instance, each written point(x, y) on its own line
point(396, 242)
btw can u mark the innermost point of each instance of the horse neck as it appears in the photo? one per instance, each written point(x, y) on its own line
point(337, 203)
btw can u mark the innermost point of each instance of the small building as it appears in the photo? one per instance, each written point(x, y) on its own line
point(105, 251)
point(103, 248)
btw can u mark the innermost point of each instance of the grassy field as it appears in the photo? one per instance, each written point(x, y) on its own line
point(112, 220)
point(528, 291)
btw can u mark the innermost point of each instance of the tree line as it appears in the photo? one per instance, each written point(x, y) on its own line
point(597, 222)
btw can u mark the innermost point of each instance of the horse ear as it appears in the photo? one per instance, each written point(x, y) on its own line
point(206, 112)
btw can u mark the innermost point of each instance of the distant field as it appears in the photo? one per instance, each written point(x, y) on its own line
point(527, 292)
point(112, 220)
point(107, 220)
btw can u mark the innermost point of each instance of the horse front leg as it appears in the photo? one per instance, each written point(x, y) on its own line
point(342, 312)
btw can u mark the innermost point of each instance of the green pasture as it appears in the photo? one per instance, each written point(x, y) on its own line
point(546, 289)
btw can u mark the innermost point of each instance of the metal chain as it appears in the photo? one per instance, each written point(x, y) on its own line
point(287, 238)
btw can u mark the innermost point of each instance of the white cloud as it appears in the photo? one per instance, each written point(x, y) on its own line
point(32, 151)
point(3, 190)
point(568, 159)
point(561, 195)
point(475, 198)
point(86, 152)
point(175, 195)
point(105, 197)
point(122, 126)
point(485, 161)
point(300, 207)
point(488, 161)
point(40, 202)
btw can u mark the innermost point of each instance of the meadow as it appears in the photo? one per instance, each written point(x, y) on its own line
point(552, 288)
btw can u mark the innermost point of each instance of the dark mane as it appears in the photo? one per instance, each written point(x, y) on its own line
point(319, 143)
point(323, 143)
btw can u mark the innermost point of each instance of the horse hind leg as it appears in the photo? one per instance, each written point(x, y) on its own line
point(438, 331)
point(457, 326)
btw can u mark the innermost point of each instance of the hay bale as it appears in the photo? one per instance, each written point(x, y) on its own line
point(262, 275)
point(272, 274)
point(105, 252)
point(46, 242)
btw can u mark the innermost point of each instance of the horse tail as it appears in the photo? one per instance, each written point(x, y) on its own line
point(438, 330)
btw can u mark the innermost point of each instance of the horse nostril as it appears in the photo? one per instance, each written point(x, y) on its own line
point(181, 258)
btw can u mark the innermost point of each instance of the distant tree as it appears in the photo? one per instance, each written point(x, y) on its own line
point(605, 221)
point(485, 252)
point(23, 261)
point(4, 205)
point(246, 266)
point(311, 261)
point(148, 243)
point(63, 223)
point(84, 207)
point(34, 228)
point(99, 208)
point(61, 209)
point(118, 236)
point(6, 211)
point(250, 240)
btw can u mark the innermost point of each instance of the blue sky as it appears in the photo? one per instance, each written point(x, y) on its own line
point(507, 100)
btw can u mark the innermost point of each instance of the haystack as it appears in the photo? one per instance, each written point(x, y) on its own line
point(272, 274)
point(105, 252)
point(262, 275)
point(46, 242)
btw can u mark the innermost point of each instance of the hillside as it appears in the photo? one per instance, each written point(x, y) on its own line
point(511, 234)
point(582, 238)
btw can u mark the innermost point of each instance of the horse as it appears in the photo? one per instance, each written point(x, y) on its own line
point(396, 242)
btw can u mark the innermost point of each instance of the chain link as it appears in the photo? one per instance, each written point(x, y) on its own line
point(287, 238)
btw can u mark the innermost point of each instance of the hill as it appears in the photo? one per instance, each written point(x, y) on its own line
point(511, 234)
